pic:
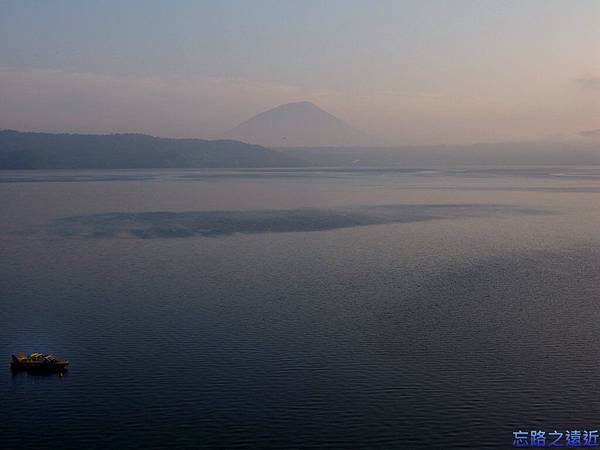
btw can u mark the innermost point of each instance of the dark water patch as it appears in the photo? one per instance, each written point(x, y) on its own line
point(164, 224)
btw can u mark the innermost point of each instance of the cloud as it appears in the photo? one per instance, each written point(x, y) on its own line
point(589, 82)
point(590, 133)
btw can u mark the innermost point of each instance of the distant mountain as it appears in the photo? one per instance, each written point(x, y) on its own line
point(300, 124)
point(119, 151)
point(576, 152)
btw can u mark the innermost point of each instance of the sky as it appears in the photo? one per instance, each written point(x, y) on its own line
point(406, 72)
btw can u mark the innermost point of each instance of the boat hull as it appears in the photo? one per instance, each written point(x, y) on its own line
point(59, 366)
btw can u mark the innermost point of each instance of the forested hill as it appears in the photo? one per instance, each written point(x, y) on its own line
point(24, 150)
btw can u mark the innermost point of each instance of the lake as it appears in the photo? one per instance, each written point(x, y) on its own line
point(300, 308)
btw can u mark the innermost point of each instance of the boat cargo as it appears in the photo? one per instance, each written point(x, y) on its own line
point(38, 362)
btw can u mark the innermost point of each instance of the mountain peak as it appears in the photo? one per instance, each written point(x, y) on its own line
point(298, 124)
point(302, 104)
point(299, 106)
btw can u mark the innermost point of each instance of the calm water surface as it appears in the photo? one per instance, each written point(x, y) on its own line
point(300, 309)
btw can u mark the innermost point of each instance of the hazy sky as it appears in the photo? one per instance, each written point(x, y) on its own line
point(405, 71)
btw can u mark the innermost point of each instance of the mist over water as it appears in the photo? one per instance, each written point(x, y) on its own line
point(340, 308)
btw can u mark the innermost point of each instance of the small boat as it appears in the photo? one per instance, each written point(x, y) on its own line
point(38, 362)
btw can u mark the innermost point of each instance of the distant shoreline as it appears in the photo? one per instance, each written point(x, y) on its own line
point(44, 151)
